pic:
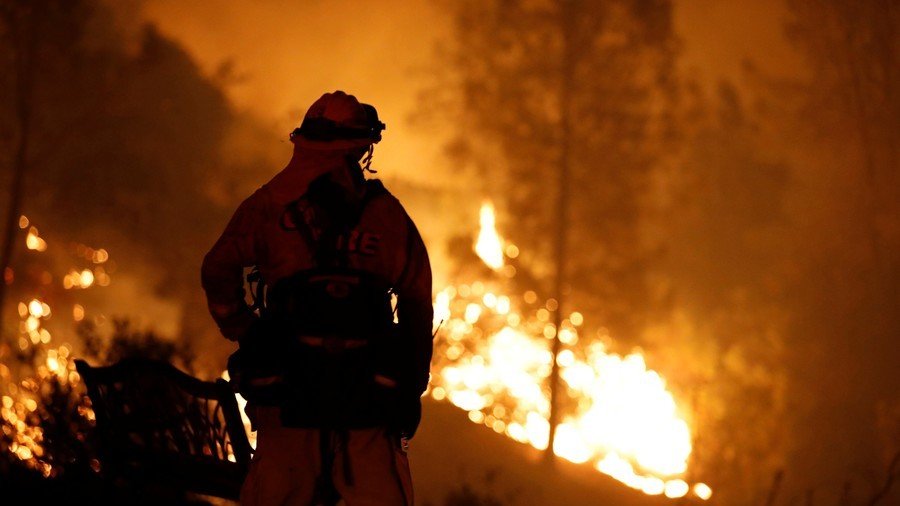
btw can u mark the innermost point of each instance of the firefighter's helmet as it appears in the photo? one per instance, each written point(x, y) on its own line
point(338, 121)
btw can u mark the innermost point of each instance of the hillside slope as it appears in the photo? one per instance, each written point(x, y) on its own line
point(450, 451)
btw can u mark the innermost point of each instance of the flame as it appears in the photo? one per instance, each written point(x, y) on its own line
point(624, 419)
point(493, 357)
point(489, 246)
point(242, 404)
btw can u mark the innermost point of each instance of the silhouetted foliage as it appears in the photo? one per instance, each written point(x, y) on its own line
point(68, 443)
point(126, 342)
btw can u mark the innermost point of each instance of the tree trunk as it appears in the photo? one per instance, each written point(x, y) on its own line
point(562, 210)
point(24, 40)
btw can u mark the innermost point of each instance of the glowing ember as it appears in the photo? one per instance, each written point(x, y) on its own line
point(489, 247)
point(19, 405)
point(676, 488)
point(51, 369)
point(30, 327)
point(702, 491)
point(99, 256)
point(79, 279)
point(33, 241)
point(88, 277)
point(36, 308)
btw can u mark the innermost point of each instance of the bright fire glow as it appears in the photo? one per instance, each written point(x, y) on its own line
point(489, 246)
point(18, 404)
point(702, 491)
point(493, 357)
point(624, 418)
point(242, 404)
point(23, 385)
point(33, 241)
point(79, 279)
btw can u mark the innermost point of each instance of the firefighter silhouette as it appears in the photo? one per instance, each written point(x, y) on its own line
point(334, 354)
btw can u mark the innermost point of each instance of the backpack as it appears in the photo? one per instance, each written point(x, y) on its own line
point(328, 324)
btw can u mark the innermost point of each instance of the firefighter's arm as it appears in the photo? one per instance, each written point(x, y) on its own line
point(222, 273)
point(415, 315)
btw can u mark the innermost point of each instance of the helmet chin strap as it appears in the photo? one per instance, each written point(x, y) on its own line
point(366, 162)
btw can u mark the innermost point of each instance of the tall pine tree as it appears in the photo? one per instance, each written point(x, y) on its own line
point(580, 86)
point(561, 105)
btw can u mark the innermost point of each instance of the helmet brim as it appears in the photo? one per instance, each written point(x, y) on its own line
point(333, 145)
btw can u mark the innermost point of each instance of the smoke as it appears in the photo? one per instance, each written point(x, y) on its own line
point(720, 36)
point(285, 54)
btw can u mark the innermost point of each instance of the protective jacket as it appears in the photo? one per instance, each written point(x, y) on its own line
point(384, 242)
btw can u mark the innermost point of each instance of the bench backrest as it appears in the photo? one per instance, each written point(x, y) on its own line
point(159, 425)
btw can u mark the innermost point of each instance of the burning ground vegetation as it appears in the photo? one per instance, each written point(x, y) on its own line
point(46, 420)
point(44, 416)
point(493, 356)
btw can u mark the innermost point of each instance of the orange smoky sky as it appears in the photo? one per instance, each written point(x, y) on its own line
point(290, 52)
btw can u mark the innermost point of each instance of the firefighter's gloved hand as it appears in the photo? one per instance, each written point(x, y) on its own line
point(405, 408)
point(407, 413)
point(408, 416)
point(257, 368)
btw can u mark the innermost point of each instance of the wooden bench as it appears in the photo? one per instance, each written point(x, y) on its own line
point(161, 429)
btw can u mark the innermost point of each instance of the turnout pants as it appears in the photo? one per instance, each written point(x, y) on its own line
point(366, 467)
